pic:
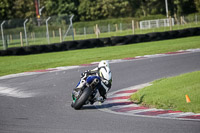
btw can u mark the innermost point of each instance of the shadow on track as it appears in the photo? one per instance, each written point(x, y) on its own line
point(106, 105)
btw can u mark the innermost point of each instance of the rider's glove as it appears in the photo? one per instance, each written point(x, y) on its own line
point(84, 74)
point(87, 72)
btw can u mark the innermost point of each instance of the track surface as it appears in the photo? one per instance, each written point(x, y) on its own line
point(41, 103)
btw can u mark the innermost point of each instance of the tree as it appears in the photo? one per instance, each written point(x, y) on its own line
point(197, 4)
point(96, 9)
point(57, 7)
point(148, 7)
point(183, 7)
point(6, 9)
point(101, 9)
point(23, 9)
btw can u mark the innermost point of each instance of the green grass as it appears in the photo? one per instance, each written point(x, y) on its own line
point(169, 93)
point(16, 64)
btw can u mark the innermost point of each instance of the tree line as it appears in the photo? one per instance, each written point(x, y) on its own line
point(86, 10)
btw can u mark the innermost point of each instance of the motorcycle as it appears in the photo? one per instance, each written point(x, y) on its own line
point(88, 93)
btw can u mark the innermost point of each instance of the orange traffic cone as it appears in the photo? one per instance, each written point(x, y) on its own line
point(187, 98)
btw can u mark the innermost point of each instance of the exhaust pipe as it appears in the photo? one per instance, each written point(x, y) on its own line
point(94, 82)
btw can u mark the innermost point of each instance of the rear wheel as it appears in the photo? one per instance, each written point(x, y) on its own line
point(80, 101)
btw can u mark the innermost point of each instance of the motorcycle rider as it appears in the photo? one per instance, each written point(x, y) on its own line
point(102, 71)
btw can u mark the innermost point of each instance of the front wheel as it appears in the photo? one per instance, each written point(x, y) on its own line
point(80, 101)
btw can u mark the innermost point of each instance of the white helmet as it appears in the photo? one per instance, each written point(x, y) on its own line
point(103, 63)
point(104, 70)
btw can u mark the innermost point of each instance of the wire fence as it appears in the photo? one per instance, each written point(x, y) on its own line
point(55, 29)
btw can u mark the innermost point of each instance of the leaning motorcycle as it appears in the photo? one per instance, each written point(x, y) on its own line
point(88, 93)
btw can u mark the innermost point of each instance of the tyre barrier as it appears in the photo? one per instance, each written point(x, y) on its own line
point(118, 40)
point(101, 42)
point(106, 42)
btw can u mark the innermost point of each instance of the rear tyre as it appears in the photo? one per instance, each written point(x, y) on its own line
point(82, 98)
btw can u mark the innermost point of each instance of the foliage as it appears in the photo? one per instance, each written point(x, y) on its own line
point(197, 3)
point(84, 10)
point(101, 9)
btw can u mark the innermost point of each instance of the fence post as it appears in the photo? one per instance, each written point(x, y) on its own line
point(97, 31)
point(170, 23)
point(116, 26)
point(133, 26)
point(120, 27)
point(47, 29)
point(53, 34)
point(85, 32)
point(25, 32)
point(149, 22)
point(196, 19)
point(183, 21)
point(74, 30)
point(177, 22)
point(21, 39)
point(157, 24)
point(4, 45)
point(108, 28)
point(60, 33)
point(71, 23)
point(70, 26)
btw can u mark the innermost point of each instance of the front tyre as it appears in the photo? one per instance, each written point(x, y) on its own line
point(82, 98)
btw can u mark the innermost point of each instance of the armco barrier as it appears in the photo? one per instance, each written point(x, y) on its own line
point(101, 42)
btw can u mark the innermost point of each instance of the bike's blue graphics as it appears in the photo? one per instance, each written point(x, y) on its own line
point(91, 78)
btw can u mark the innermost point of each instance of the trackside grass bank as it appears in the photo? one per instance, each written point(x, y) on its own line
point(169, 93)
point(17, 64)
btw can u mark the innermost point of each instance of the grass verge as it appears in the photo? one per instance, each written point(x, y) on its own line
point(16, 64)
point(169, 93)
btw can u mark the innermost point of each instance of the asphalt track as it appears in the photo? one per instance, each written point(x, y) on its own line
point(40, 103)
